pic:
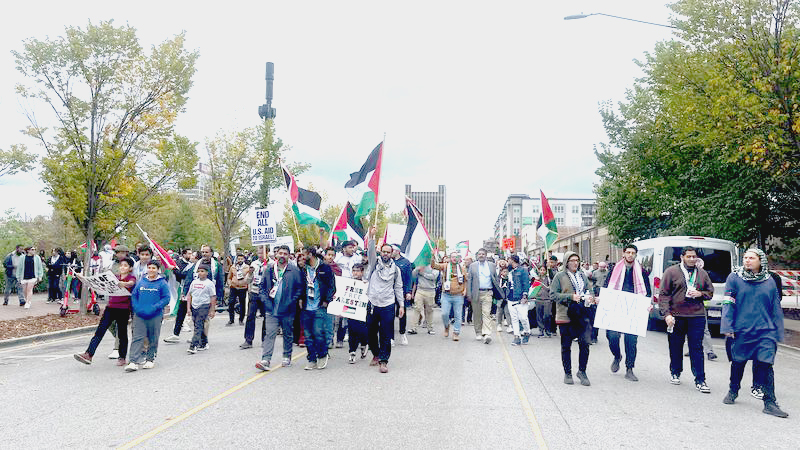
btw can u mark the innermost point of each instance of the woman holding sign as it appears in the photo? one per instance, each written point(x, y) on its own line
point(570, 291)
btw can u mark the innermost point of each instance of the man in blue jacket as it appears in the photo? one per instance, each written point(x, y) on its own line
point(281, 288)
point(406, 268)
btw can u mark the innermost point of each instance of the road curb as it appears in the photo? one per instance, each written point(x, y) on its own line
point(789, 349)
point(46, 337)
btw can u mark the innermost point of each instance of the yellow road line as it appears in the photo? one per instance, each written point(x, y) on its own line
point(523, 398)
point(175, 420)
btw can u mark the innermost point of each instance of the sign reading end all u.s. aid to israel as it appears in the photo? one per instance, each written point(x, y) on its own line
point(351, 299)
point(622, 311)
point(264, 229)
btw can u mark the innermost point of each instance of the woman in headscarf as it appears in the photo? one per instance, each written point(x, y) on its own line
point(753, 318)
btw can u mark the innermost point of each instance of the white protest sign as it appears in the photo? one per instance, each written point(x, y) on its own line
point(622, 311)
point(263, 228)
point(351, 299)
point(104, 284)
point(285, 240)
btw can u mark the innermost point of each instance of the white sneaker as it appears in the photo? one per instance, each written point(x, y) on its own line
point(149, 365)
point(479, 338)
point(114, 355)
point(509, 329)
point(174, 339)
point(205, 347)
point(499, 328)
point(132, 367)
point(403, 339)
point(352, 359)
point(392, 342)
point(322, 362)
point(27, 305)
point(311, 365)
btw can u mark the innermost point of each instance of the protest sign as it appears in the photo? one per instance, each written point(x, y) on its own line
point(622, 311)
point(285, 240)
point(351, 299)
point(263, 228)
point(104, 284)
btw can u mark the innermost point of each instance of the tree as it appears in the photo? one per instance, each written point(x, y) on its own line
point(707, 138)
point(16, 159)
point(109, 147)
point(237, 161)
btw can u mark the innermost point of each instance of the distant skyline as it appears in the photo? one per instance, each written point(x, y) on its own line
point(487, 99)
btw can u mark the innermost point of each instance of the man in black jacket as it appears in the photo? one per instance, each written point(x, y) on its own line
point(281, 288)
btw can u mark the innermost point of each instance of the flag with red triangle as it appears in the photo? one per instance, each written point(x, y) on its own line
point(363, 187)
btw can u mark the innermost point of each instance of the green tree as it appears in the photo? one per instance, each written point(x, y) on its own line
point(707, 136)
point(16, 159)
point(110, 147)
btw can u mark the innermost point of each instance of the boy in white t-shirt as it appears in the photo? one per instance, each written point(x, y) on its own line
point(202, 298)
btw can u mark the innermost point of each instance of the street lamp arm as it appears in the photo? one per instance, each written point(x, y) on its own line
point(583, 16)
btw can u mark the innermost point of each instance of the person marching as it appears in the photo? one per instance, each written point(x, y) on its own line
point(202, 297)
point(570, 289)
point(148, 299)
point(320, 290)
point(118, 310)
point(356, 328)
point(238, 282)
point(481, 287)
point(518, 302)
point(454, 286)
point(628, 276)
point(753, 318)
point(684, 287)
point(385, 293)
point(255, 304)
point(544, 306)
point(424, 297)
point(281, 291)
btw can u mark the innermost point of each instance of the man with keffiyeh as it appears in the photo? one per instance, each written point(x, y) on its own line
point(628, 276)
point(684, 288)
point(753, 318)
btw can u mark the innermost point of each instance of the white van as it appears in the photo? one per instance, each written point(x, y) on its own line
point(718, 255)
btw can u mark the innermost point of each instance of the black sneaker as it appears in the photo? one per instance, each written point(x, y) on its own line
point(412, 331)
point(245, 345)
point(615, 365)
point(702, 387)
point(773, 409)
point(584, 379)
point(730, 398)
point(712, 356)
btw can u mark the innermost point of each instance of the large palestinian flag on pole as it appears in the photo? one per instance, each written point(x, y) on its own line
point(417, 245)
point(347, 228)
point(305, 204)
point(363, 187)
point(546, 228)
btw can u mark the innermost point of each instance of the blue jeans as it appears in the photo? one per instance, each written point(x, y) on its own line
point(314, 323)
point(12, 282)
point(455, 303)
point(328, 326)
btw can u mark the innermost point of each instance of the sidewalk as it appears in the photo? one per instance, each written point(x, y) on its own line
point(39, 307)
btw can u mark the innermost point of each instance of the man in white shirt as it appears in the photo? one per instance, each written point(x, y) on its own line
point(346, 259)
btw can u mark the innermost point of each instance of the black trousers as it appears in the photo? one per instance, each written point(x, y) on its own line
point(763, 376)
point(380, 323)
point(630, 347)
point(255, 305)
point(358, 334)
point(118, 315)
point(179, 317)
point(592, 314)
point(403, 320)
point(54, 288)
point(688, 329)
point(237, 295)
point(581, 329)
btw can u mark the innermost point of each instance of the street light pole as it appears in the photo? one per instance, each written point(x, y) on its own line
point(583, 16)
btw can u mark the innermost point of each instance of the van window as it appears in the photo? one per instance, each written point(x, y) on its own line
point(645, 257)
point(716, 262)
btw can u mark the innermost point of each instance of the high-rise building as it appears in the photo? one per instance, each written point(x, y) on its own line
point(433, 206)
point(200, 192)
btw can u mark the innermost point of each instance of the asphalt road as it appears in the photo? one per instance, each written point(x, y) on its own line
point(438, 394)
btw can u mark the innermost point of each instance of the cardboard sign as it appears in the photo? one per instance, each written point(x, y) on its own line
point(104, 284)
point(351, 299)
point(622, 311)
point(285, 240)
point(263, 228)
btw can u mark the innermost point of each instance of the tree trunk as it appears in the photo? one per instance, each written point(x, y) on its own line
point(87, 261)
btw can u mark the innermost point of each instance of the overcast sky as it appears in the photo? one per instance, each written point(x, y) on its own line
point(488, 98)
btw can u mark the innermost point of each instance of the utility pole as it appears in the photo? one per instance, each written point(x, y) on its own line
point(266, 111)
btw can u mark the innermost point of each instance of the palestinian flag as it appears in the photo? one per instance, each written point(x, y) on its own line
point(347, 228)
point(463, 249)
point(305, 204)
point(417, 245)
point(159, 252)
point(362, 189)
point(536, 287)
point(546, 227)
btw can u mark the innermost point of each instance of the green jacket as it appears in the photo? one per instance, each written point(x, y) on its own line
point(561, 291)
point(38, 268)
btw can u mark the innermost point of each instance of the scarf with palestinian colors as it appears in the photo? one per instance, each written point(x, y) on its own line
point(762, 275)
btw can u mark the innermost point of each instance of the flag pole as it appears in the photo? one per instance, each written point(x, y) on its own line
point(377, 192)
